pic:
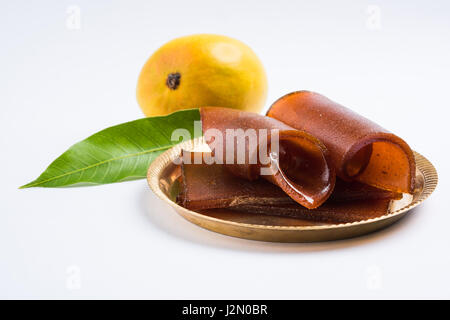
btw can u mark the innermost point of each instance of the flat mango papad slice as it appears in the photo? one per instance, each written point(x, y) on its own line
point(354, 190)
point(211, 186)
point(207, 186)
point(299, 163)
point(329, 212)
point(360, 149)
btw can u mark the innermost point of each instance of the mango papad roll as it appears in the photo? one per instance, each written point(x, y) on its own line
point(360, 149)
point(212, 186)
point(253, 146)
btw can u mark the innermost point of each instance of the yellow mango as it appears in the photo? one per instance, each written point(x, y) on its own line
point(202, 70)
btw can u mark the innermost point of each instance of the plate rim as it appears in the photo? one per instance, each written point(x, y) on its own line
point(160, 163)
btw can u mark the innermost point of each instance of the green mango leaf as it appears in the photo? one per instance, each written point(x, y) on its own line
point(119, 153)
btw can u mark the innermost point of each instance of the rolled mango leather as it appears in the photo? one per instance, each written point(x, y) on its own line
point(300, 164)
point(360, 149)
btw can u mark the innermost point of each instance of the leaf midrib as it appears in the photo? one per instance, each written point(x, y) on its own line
point(95, 165)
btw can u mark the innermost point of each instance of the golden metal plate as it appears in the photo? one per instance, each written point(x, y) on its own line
point(163, 174)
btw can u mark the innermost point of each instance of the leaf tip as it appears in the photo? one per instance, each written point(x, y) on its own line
point(26, 186)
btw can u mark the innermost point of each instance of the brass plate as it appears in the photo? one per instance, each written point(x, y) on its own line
point(162, 178)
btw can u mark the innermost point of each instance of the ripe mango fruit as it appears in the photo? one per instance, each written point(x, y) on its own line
point(202, 70)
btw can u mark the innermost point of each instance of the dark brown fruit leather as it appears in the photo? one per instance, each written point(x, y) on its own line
point(212, 186)
point(354, 190)
point(329, 212)
point(360, 149)
point(304, 171)
point(207, 186)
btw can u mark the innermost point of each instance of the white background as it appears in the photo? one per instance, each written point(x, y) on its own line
point(60, 83)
